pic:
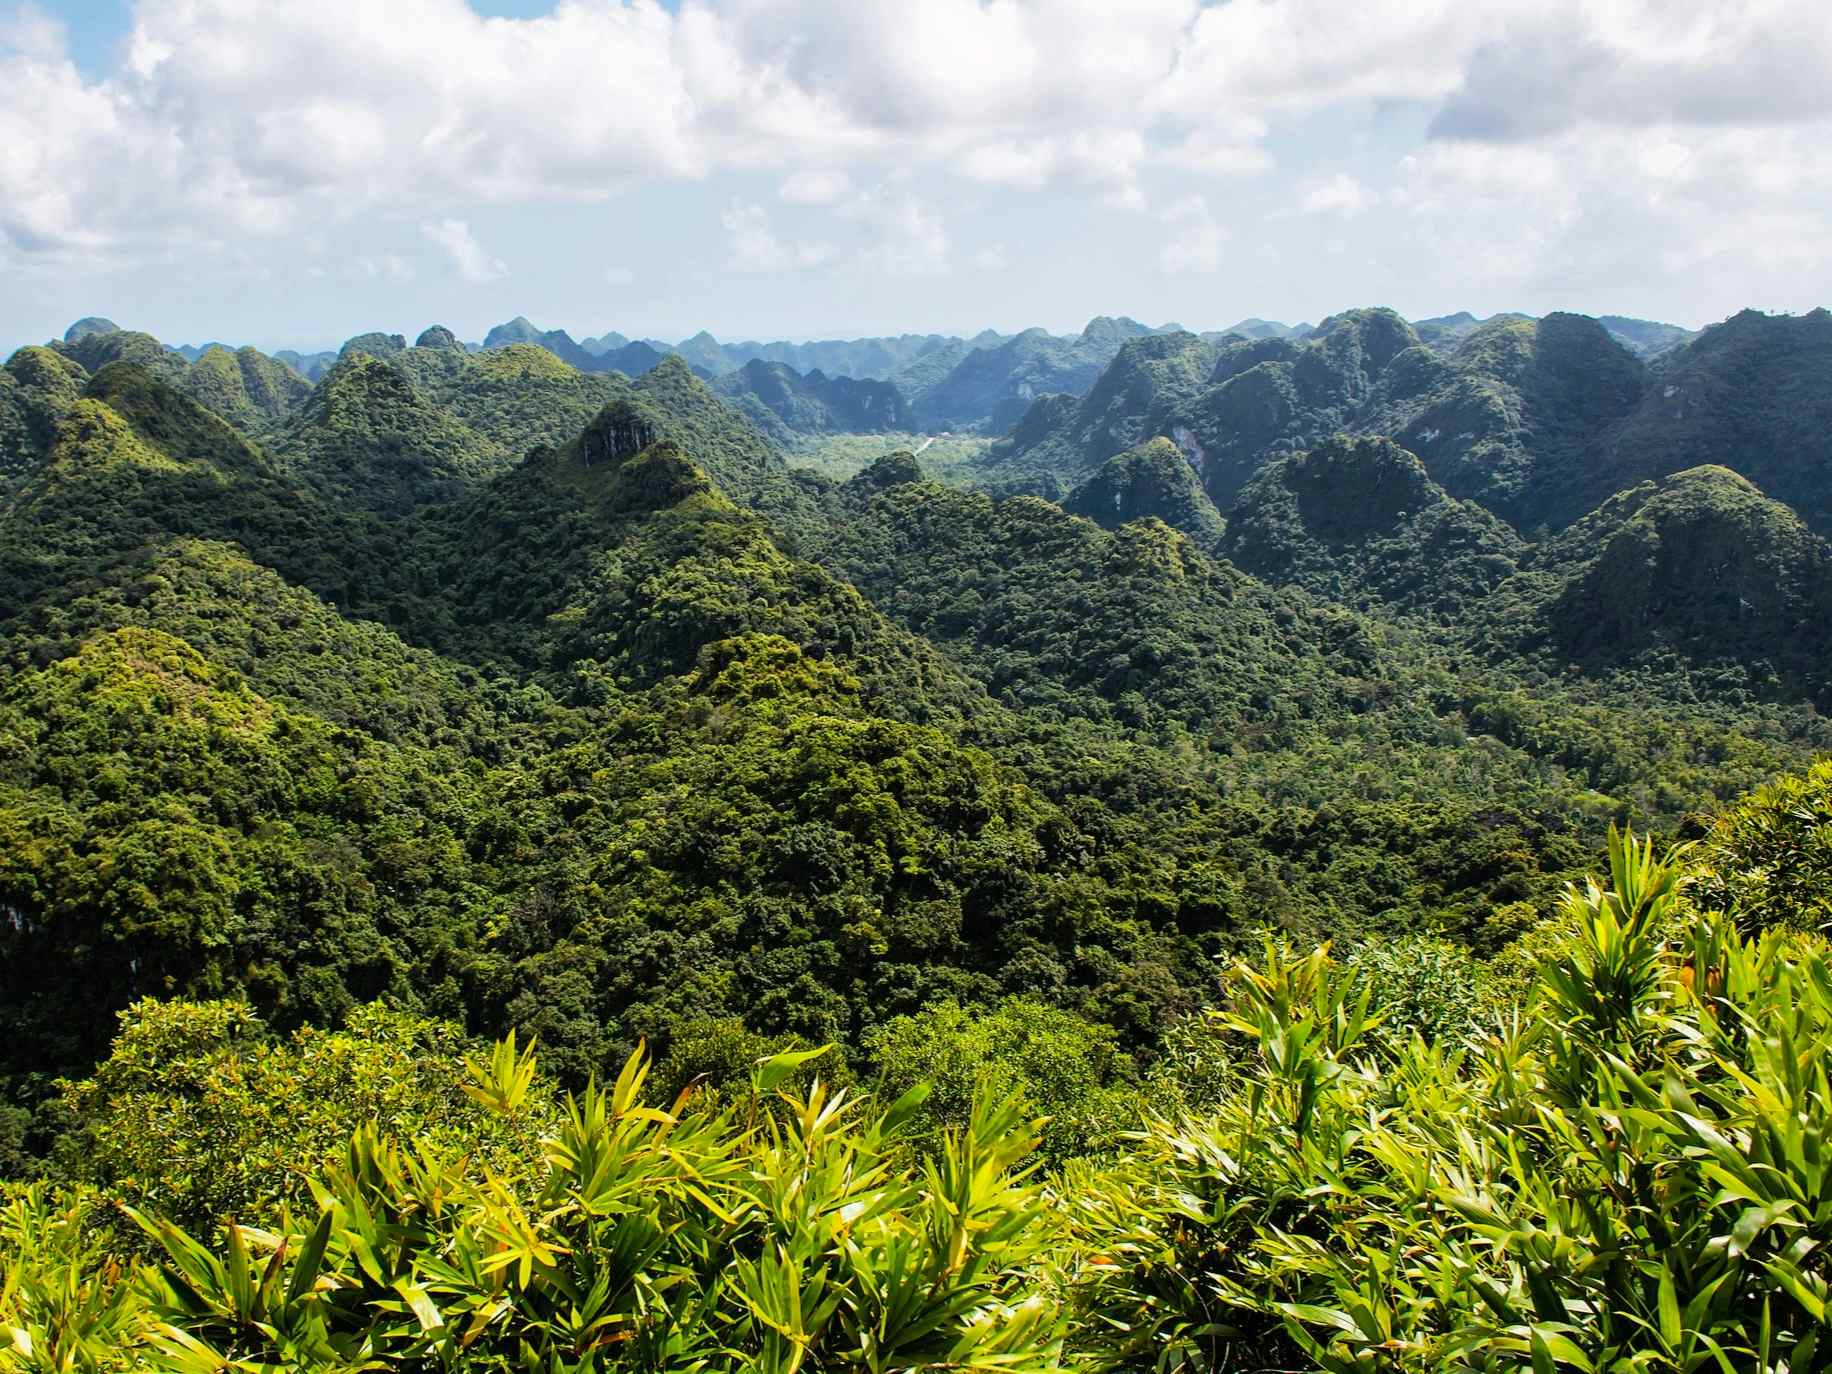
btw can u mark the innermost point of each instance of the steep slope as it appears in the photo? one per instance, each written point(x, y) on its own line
point(38, 388)
point(369, 441)
point(516, 397)
point(1153, 481)
point(868, 359)
point(992, 387)
point(1060, 442)
point(1358, 521)
point(1504, 418)
point(96, 349)
point(247, 388)
point(704, 354)
point(618, 550)
point(556, 341)
point(1445, 332)
point(89, 324)
point(1753, 394)
point(740, 459)
point(1255, 328)
point(1059, 617)
point(785, 405)
point(310, 366)
point(1646, 339)
point(1510, 418)
point(1698, 573)
point(375, 343)
point(136, 462)
point(633, 359)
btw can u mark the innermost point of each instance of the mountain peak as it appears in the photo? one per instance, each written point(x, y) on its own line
point(376, 344)
point(892, 470)
point(621, 430)
point(90, 324)
point(1152, 480)
point(438, 336)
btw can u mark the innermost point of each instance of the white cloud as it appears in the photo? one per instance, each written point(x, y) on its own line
point(470, 259)
point(619, 276)
point(1095, 157)
point(1195, 238)
point(906, 237)
point(815, 187)
point(28, 29)
point(753, 246)
point(1339, 195)
point(1558, 128)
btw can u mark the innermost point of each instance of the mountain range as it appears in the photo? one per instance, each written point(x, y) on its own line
point(549, 698)
point(984, 383)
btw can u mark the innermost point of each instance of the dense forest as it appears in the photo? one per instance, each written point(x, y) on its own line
point(1304, 851)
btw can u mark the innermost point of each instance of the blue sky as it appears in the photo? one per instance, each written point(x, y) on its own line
point(292, 174)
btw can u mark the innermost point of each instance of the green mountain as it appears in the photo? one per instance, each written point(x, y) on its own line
point(367, 439)
point(310, 366)
point(515, 397)
point(556, 341)
point(1060, 617)
point(1505, 417)
point(1153, 481)
point(247, 388)
point(868, 359)
point(1511, 417)
point(992, 387)
point(88, 325)
point(1445, 332)
point(704, 354)
point(1358, 521)
point(1753, 394)
point(469, 692)
point(38, 388)
point(96, 349)
point(375, 344)
point(1646, 339)
point(1698, 572)
point(785, 405)
point(1060, 442)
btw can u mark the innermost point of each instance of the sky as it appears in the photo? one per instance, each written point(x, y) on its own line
point(289, 173)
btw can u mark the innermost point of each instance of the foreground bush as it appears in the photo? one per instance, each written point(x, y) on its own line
point(1628, 1173)
point(1631, 1175)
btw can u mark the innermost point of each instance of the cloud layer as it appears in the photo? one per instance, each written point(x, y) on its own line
point(1550, 130)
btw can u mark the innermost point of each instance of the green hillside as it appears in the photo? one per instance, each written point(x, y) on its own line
point(1358, 521)
point(1169, 833)
point(1153, 481)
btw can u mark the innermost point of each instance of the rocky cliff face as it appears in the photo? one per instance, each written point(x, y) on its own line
point(620, 431)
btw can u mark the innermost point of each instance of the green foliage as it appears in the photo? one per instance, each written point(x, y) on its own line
point(1698, 571)
point(992, 386)
point(201, 1115)
point(1152, 481)
point(247, 388)
point(1628, 1177)
point(664, 1239)
point(65, 1304)
point(1047, 1062)
point(1768, 859)
point(1625, 1174)
point(38, 388)
point(787, 405)
point(1358, 522)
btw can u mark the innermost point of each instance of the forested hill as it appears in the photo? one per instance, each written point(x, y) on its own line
point(536, 699)
point(461, 694)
